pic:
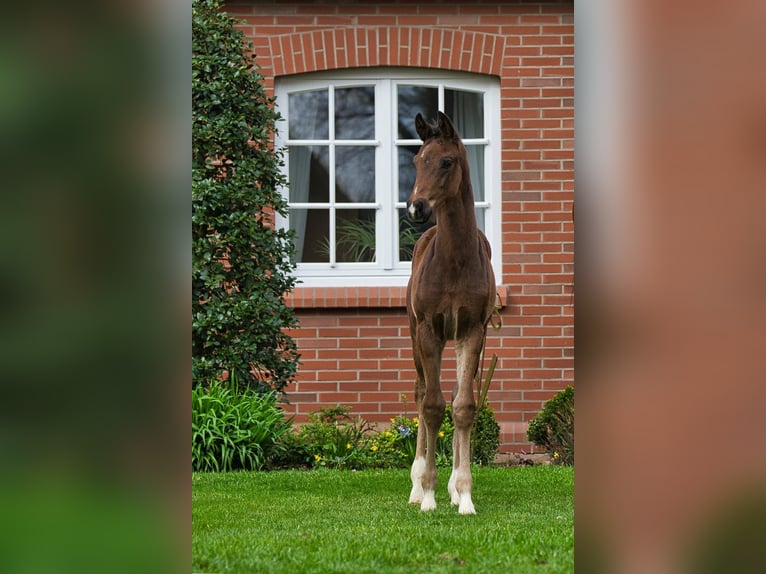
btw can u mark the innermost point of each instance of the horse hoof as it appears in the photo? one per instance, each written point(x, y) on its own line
point(416, 495)
point(466, 507)
point(428, 503)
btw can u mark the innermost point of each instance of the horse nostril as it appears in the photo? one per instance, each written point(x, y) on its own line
point(418, 210)
point(415, 208)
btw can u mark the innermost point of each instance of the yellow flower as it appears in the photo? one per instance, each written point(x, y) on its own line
point(555, 455)
point(392, 421)
point(415, 420)
point(348, 445)
point(374, 448)
point(441, 434)
point(317, 457)
point(387, 434)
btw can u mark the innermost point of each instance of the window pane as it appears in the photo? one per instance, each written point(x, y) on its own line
point(409, 233)
point(412, 100)
point(475, 155)
point(308, 115)
point(355, 235)
point(480, 213)
point(355, 113)
point(466, 109)
point(406, 171)
point(312, 241)
point(354, 174)
point(309, 176)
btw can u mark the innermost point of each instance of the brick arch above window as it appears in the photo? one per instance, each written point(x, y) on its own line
point(333, 48)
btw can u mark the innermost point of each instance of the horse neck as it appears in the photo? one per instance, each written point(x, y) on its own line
point(456, 227)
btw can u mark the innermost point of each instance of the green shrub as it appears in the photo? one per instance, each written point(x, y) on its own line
point(485, 436)
point(553, 427)
point(235, 430)
point(292, 452)
point(334, 439)
point(241, 264)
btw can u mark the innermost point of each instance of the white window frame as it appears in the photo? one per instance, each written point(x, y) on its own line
point(386, 270)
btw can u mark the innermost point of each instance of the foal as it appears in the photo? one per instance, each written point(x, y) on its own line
point(450, 296)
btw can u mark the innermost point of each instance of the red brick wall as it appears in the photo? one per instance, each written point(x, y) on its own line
point(354, 342)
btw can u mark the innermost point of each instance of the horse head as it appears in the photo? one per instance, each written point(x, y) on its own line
point(440, 166)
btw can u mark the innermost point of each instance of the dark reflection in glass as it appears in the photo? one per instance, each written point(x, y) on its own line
point(355, 113)
point(412, 100)
point(312, 231)
point(308, 112)
point(406, 170)
point(354, 174)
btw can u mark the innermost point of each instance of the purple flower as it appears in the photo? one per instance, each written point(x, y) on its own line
point(404, 431)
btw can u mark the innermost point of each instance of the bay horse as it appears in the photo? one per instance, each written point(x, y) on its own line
point(450, 296)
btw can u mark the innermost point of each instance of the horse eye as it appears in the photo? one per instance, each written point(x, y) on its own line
point(446, 163)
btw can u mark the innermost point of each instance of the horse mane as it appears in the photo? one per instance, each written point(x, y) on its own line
point(435, 132)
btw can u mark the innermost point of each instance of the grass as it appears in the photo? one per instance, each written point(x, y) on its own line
point(326, 521)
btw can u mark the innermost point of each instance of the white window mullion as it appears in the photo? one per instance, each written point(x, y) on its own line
point(385, 184)
point(441, 97)
point(331, 171)
point(333, 262)
point(492, 159)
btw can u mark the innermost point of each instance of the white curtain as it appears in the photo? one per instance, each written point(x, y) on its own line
point(300, 175)
point(308, 120)
point(466, 114)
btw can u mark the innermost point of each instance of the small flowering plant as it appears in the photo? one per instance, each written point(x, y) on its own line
point(334, 439)
point(404, 432)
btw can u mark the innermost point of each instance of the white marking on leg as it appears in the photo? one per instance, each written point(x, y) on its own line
point(416, 474)
point(461, 496)
point(429, 501)
point(466, 505)
point(454, 496)
point(466, 353)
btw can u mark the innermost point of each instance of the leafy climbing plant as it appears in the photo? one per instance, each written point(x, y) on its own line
point(241, 263)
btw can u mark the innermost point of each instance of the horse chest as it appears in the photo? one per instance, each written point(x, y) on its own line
point(449, 308)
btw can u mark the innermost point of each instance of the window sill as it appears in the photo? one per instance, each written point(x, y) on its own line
point(354, 297)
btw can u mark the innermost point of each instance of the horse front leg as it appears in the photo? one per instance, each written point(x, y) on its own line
point(433, 414)
point(468, 353)
point(419, 462)
point(431, 405)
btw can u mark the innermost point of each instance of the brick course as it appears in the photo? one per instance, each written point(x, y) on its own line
point(354, 341)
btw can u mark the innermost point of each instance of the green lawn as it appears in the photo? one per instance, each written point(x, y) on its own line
point(359, 522)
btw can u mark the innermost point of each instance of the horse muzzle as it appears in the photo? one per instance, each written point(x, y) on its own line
point(419, 211)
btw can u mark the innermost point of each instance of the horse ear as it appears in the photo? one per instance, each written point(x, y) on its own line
point(445, 126)
point(423, 129)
